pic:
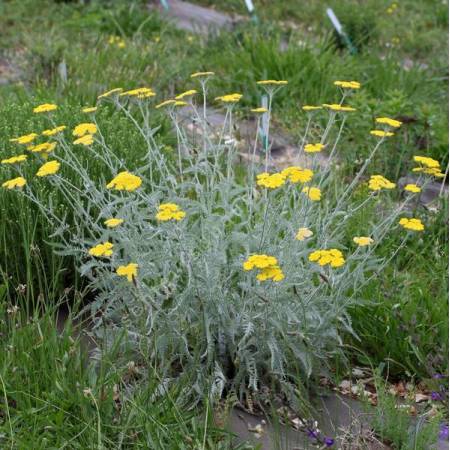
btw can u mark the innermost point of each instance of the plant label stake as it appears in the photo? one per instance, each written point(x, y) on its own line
point(251, 9)
point(264, 124)
point(165, 5)
point(340, 31)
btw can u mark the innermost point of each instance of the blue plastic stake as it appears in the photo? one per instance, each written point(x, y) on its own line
point(251, 10)
point(264, 123)
point(165, 5)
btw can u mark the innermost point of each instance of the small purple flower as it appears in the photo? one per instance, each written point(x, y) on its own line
point(443, 432)
point(436, 396)
point(438, 376)
point(329, 442)
point(312, 434)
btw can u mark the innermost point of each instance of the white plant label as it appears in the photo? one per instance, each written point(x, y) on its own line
point(250, 6)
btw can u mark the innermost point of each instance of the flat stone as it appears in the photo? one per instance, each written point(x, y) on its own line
point(194, 18)
point(430, 192)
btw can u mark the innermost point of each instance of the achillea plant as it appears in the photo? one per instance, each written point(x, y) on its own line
point(230, 281)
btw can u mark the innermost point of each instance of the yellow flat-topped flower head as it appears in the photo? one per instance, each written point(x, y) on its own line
point(303, 233)
point(189, 93)
point(434, 171)
point(260, 110)
point(25, 139)
point(180, 103)
point(363, 241)
point(125, 181)
point(49, 168)
point(387, 121)
point(202, 74)
point(272, 82)
point(270, 273)
point(314, 148)
point(15, 159)
point(102, 250)
point(378, 182)
point(338, 108)
point(84, 128)
point(267, 265)
point(18, 182)
point(332, 257)
point(296, 174)
point(87, 139)
point(169, 211)
point(270, 181)
point(45, 147)
point(381, 133)
point(129, 271)
point(53, 131)
point(113, 222)
point(311, 108)
point(89, 109)
point(348, 84)
point(229, 98)
point(412, 224)
point(140, 93)
point(412, 188)
point(45, 107)
point(313, 193)
point(427, 162)
point(110, 93)
point(165, 103)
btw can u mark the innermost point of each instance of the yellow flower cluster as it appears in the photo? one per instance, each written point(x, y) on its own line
point(14, 159)
point(311, 108)
point(428, 166)
point(412, 224)
point(45, 107)
point(45, 147)
point(85, 133)
point(313, 193)
point(333, 257)
point(338, 108)
point(387, 121)
point(129, 271)
point(124, 181)
point(171, 102)
point(189, 93)
point(53, 131)
point(381, 133)
point(49, 168)
point(102, 250)
point(267, 265)
point(303, 233)
point(89, 109)
point(378, 182)
point(25, 139)
point(412, 188)
point(348, 84)
point(110, 93)
point(272, 82)
point(169, 211)
point(113, 222)
point(314, 148)
point(297, 174)
point(15, 183)
point(116, 40)
point(260, 110)
point(362, 241)
point(229, 98)
point(270, 181)
point(140, 93)
point(202, 74)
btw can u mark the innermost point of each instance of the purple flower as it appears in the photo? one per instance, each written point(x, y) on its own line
point(312, 434)
point(436, 396)
point(438, 376)
point(329, 442)
point(443, 432)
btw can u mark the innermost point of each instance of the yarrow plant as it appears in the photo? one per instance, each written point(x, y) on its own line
point(233, 281)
